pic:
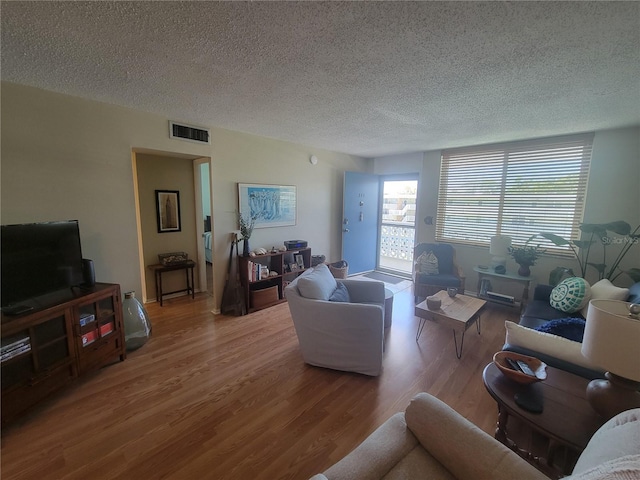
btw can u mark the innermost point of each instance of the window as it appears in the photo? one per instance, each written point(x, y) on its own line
point(517, 189)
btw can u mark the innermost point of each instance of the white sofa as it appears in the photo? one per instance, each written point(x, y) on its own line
point(340, 335)
point(432, 441)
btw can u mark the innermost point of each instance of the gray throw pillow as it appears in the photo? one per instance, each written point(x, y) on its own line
point(341, 294)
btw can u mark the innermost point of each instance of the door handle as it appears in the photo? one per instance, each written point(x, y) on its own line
point(345, 230)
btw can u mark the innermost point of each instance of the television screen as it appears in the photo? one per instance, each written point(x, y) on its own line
point(39, 259)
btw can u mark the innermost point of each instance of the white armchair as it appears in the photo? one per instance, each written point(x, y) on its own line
point(340, 335)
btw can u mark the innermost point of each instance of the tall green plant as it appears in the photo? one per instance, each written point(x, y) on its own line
point(582, 250)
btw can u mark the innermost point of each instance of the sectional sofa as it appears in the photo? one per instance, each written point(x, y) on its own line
point(555, 350)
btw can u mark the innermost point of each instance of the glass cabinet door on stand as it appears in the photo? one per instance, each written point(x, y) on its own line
point(44, 350)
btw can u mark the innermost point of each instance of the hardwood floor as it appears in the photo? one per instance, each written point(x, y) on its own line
point(230, 398)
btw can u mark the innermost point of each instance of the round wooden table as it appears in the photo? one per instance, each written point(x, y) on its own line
point(567, 421)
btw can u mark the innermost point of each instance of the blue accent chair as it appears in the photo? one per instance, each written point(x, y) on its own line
point(450, 274)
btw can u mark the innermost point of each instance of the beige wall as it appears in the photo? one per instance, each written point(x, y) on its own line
point(69, 158)
point(613, 193)
point(156, 172)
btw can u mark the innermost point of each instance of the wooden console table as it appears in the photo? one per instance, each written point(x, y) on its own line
point(563, 429)
point(159, 269)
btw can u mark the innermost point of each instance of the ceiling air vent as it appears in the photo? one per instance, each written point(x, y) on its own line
point(188, 132)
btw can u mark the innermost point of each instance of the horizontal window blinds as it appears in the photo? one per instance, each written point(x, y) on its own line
point(517, 189)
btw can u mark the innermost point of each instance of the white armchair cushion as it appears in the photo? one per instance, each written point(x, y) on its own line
point(317, 283)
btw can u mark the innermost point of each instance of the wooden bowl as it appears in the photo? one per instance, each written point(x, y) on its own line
point(538, 367)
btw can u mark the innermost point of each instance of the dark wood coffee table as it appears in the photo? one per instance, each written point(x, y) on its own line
point(566, 423)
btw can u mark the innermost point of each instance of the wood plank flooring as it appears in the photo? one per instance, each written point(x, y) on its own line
point(221, 397)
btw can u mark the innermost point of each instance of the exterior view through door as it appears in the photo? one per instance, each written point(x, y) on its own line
point(397, 226)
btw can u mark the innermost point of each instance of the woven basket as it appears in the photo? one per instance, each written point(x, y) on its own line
point(339, 272)
point(173, 258)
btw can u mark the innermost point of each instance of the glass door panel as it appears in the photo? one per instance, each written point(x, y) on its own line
point(397, 226)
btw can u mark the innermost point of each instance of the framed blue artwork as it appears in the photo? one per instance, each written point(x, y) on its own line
point(270, 205)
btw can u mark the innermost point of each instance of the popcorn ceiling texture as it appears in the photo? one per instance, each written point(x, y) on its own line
point(366, 78)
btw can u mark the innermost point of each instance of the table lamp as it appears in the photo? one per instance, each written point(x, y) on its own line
point(499, 250)
point(612, 342)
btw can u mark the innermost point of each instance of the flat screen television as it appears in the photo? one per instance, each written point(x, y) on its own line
point(39, 259)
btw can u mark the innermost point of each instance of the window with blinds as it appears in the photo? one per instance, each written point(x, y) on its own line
point(517, 189)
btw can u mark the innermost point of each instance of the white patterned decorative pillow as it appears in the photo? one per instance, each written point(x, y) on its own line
point(570, 295)
point(428, 263)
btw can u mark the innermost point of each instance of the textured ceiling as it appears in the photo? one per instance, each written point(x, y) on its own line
point(365, 78)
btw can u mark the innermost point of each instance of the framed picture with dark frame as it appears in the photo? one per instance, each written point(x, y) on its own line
point(168, 211)
point(299, 261)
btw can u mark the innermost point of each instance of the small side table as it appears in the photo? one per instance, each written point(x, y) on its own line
point(159, 269)
point(388, 307)
point(567, 421)
point(507, 277)
point(457, 313)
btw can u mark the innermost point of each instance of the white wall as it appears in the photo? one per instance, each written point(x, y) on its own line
point(613, 193)
point(69, 158)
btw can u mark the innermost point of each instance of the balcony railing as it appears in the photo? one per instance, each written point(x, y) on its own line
point(396, 247)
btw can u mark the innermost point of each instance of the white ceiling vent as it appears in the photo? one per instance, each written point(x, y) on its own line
point(189, 132)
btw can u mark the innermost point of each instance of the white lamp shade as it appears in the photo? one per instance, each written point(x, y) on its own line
point(500, 245)
point(612, 338)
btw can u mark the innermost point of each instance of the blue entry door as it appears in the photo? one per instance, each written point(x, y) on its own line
point(360, 221)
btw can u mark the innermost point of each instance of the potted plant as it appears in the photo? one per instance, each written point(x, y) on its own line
point(582, 248)
point(246, 229)
point(526, 257)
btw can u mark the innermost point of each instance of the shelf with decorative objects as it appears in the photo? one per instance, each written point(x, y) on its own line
point(264, 276)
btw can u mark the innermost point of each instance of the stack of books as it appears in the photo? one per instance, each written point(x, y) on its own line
point(14, 346)
point(485, 286)
point(257, 271)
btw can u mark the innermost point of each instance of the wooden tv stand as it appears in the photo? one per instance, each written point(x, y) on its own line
point(55, 345)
